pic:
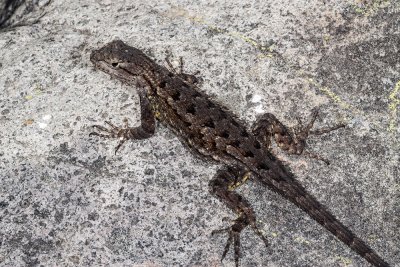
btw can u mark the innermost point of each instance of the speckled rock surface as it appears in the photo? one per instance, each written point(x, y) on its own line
point(67, 200)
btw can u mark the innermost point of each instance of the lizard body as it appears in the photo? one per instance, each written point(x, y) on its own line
point(173, 98)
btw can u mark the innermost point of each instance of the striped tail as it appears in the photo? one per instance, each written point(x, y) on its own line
point(292, 190)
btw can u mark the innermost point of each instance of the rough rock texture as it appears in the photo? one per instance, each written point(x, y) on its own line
point(67, 200)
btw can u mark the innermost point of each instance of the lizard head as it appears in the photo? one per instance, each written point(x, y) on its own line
point(120, 60)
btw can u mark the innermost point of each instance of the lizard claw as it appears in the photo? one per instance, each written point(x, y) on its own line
point(121, 142)
point(234, 237)
point(112, 132)
point(302, 132)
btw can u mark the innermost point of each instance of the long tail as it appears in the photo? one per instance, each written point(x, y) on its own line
point(292, 190)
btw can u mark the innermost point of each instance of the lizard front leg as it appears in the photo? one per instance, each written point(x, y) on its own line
point(189, 78)
point(145, 130)
point(222, 186)
point(292, 140)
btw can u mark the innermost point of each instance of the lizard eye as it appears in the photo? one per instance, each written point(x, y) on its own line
point(114, 64)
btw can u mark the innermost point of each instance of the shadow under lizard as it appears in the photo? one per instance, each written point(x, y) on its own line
point(209, 129)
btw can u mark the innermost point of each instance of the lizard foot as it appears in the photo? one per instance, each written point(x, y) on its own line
point(301, 133)
point(234, 236)
point(123, 134)
point(293, 140)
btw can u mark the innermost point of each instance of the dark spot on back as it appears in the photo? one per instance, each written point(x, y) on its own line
point(235, 143)
point(248, 154)
point(224, 134)
point(263, 166)
point(244, 133)
point(176, 95)
point(257, 144)
point(209, 123)
point(162, 84)
point(191, 109)
point(212, 144)
point(271, 157)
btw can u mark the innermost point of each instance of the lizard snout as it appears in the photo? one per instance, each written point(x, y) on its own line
point(94, 56)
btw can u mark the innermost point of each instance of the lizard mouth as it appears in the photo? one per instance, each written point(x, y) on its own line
point(120, 73)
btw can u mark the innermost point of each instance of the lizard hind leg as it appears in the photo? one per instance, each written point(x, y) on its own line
point(222, 186)
point(293, 140)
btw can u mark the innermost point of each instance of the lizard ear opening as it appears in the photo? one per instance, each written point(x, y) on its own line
point(114, 64)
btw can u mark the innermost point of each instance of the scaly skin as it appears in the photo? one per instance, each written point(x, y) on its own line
point(211, 130)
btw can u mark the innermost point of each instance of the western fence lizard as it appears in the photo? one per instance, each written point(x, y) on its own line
point(173, 98)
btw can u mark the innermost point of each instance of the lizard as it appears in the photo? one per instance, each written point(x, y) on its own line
point(211, 130)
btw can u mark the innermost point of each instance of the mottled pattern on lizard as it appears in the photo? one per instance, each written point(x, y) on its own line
point(211, 130)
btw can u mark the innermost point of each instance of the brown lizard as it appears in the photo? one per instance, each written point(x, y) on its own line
point(174, 99)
